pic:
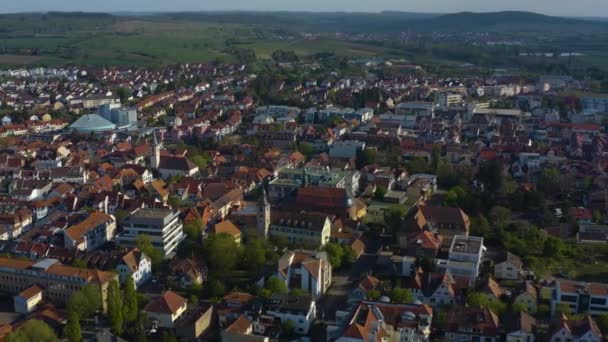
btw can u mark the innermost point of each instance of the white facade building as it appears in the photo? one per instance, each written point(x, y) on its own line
point(163, 226)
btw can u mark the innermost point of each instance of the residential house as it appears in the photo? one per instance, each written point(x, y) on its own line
point(28, 300)
point(137, 265)
point(574, 330)
point(472, 324)
point(187, 272)
point(526, 296)
point(508, 266)
point(232, 306)
point(365, 285)
point(520, 327)
point(227, 227)
point(447, 221)
point(383, 321)
point(165, 310)
point(434, 289)
point(306, 270)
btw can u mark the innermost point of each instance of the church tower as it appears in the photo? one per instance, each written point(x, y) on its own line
point(263, 214)
point(156, 147)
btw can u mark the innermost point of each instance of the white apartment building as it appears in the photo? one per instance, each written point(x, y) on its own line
point(580, 297)
point(465, 257)
point(163, 226)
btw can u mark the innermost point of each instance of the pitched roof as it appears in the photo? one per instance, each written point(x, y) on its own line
point(77, 232)
point(30, 291)
point(240, 326)
point(176, 163)
point(227, 227)
point(169, 303)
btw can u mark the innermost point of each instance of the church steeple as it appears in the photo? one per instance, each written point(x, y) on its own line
point(156, 147)
point(263, 213)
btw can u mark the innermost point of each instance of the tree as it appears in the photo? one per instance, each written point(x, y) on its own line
point(275, 285)
point(72, 331)
point(399, 295)
point(417, 165)
point(334, 253)
point(553, 247)
point(115, 309)
point(194, 230)
point(221, 252)
point(380, 192)
point(123, 94)
point(287, 328)
point(602, 322)
point(254, 255)
point(33, 331)
point(130, 307)
point(306, 149)
point(201, 160)
point(349, 256)
point(480, 227)
point(491, 174)
point(85, 302)
point(427, 264)
point(214, 289)
point(393, 218)
point(549, 181)
point(144, 243)
point(373, 294)
point(174, 201)
point(365, 157)
point(435, 158)
point(500, 215)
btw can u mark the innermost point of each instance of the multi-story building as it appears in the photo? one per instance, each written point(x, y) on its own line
point(308, 229)
point(306, 270)
point(449, 99)
point(580, 297)
point(383, 321)
point(346, 149)
point(289, 180)
point(594, 105)
point(91, 233)
point(465, 257)
point(59, 281)
point(301, 310)
point(163, 226)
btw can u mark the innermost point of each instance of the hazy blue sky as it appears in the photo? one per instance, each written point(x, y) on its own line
point(554, 7)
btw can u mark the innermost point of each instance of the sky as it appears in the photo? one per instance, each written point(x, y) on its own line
point(595, 8)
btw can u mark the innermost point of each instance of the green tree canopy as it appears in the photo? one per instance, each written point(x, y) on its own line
point(399, 295)
point(274, 285)
point(72, 330)
point(33, 331)
point(115, 309)
point(130, 307)
point(85, 302)
point(221, 252)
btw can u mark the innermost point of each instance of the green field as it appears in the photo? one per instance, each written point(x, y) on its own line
point(154, 41)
